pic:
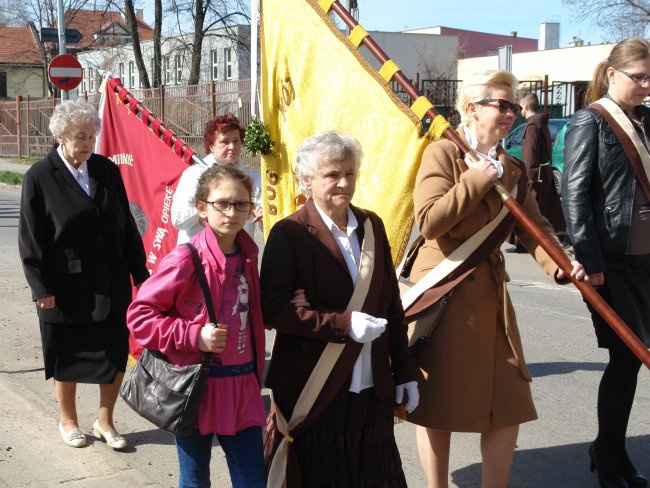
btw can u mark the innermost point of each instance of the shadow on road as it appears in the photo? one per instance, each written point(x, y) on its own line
point(556, 467)
point(538, 370)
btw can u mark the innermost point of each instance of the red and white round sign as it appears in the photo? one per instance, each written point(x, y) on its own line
point(65, 72)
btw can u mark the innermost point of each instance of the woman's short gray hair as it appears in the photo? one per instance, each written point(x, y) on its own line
point(479, 86)
point(323, 147)
point(71, 113)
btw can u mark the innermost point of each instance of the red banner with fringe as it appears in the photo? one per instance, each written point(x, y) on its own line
point(150, 167)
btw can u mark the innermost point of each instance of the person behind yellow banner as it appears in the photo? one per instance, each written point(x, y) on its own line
point(340, 359)
point(476, 379)
point(222, 139)
point(606, 205)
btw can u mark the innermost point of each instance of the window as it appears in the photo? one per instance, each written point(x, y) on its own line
point(178, 71)
point(168, 71)
point(131, 74)
point(227, 58)
point(91, 81)
point(214, 59)
point(122, 72)
point(3, 83)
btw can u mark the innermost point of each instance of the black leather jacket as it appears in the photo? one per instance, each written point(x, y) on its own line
point(598, 185)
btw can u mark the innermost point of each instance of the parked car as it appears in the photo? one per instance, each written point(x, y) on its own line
point(557, 128)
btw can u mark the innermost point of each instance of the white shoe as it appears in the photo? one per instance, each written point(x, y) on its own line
point(113, 438)
point(74, 438)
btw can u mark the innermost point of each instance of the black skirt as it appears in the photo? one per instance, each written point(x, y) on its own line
point(91, 352)
point(352, 445)
point(627, 291)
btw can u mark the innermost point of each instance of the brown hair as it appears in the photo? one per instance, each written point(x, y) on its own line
point(214, 174)
point(530, 100)
point(625, 52)
point(223, 123)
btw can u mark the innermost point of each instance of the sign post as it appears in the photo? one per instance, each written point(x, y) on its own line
point(65, 73)
point(50, 34)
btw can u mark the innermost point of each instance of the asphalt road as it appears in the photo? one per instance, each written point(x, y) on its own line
point(551, 452)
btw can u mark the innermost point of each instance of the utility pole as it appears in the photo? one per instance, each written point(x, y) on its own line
point(59, 12)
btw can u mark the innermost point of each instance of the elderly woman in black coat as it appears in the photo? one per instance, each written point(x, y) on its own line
point(80, 249)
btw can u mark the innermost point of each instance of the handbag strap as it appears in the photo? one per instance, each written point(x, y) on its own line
point(203, 283)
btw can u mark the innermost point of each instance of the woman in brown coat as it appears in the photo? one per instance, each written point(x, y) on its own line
point(321, 251)
point(476, 379)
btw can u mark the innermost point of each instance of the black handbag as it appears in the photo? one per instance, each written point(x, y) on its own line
point(168, 396)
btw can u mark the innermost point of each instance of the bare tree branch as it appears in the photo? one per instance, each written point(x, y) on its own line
point(618, 19)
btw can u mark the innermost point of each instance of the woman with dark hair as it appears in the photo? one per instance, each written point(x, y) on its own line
point(222, 139)
point(606, 201)
point(80, 249)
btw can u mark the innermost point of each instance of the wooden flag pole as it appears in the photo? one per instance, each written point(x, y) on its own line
point(558, 256)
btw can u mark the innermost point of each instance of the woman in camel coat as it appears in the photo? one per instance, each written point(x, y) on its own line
point(476, 379)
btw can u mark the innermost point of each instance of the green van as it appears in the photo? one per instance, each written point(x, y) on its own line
point(557, 128)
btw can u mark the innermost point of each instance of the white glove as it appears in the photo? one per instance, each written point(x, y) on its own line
point(365, 328)
point(412, 392)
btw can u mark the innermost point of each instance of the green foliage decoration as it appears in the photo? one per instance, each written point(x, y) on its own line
point(258, 139)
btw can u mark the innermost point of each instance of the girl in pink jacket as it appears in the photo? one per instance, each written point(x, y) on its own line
point(169, 315)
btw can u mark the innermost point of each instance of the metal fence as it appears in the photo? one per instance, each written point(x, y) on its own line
point(184, 109)
point(560, 99)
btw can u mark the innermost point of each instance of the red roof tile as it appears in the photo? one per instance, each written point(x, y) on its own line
point(90, 22)
point(18, 46)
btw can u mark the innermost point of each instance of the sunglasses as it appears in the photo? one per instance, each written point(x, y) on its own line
point(221, 206)
point(639, 78)
point(503, 105)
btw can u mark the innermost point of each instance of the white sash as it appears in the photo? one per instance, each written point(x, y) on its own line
point(451, 262)
point(626, 124)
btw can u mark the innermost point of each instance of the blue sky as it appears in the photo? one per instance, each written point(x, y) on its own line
point(495, 16)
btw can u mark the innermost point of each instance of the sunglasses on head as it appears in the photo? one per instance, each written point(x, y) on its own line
point(502, 105)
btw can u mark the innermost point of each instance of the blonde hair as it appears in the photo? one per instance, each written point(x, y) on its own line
point(479, 86)
point(622, 55)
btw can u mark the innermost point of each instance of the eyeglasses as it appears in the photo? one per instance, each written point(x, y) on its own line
point(637, 77)
point(221, 206)
point(502, 105)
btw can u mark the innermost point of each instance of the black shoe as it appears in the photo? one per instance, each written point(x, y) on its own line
point(632, 477)
point(604, 482)
point(635, 480)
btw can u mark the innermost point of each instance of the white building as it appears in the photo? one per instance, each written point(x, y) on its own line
point(419, 55)
point(222, 59)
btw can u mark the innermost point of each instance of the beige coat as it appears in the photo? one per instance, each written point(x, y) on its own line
point(474, 367)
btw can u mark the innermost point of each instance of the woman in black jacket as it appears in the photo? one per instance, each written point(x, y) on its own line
point(80, 248)
point(606, 206)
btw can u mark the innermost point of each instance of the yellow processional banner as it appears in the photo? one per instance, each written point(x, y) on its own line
point(313, 79)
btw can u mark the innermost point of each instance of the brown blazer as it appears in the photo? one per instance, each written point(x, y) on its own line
point(302, 253)
point(467, 385)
